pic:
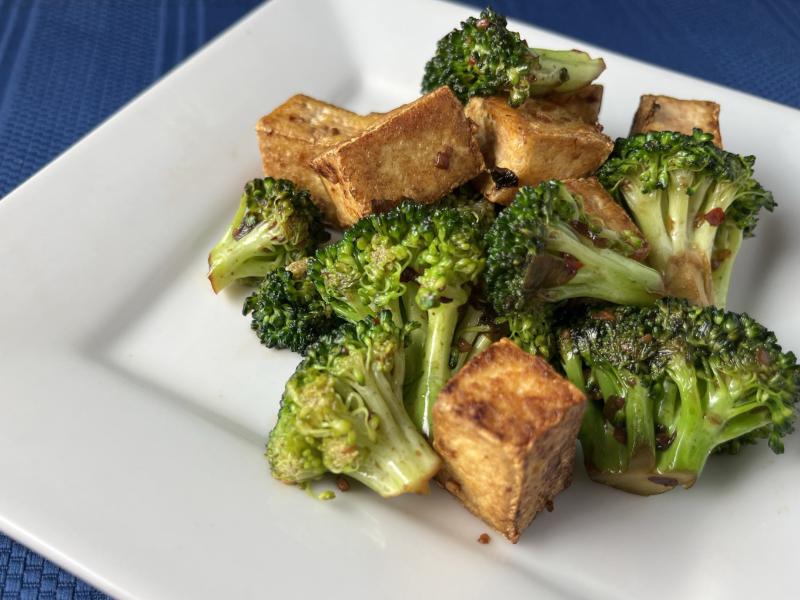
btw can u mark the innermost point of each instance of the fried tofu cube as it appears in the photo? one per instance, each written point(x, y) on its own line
point(538, 141)
point(506, 426)
point(420, 151)
point(662, 113)
point(599, 204)
point(584, 103)
point(299, 130)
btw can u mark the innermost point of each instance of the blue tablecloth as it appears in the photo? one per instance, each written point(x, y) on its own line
point(65, 65)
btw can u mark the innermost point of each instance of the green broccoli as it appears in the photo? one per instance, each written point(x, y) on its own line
point(671, 383)
point(484, 58)
point(276, 224)
point(693, 202)
point(532, 328)
point(342, 412)
point(287, 311)
point(419, 262)
point(545, 247)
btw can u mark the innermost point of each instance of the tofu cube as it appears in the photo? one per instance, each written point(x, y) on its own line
point(538, 141)
point(662, 113)
point(506, 426)
point(299, 130)
point(420, 151)
point(584, 103)
point(599, 204)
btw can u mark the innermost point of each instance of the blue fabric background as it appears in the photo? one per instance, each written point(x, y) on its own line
point(65, 65)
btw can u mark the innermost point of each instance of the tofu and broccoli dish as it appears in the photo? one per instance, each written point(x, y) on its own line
point(481, 281)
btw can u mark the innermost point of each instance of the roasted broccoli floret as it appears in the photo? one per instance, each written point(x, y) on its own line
point(693, 202)
point(276, 224)
point(533, 329)
point(287, 311)
point(421, 263)
point(342, 412)
point(545, 247)
point(484, 58)
point(671, 383)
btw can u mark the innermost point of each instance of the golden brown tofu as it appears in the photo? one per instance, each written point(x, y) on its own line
point(601, 206)
point(296, 132)
point(420, 151)
point(662, 113)
point(584, 103)
point(506, 426)
point(538, 141)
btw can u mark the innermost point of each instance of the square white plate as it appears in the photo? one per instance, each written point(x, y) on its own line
point(135, 404)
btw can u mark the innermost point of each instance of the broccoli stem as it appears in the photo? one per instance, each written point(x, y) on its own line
point(604, 274)
point(729, 240)
point(467, 333)
point(416, 338)
point(442, 322)
point(401, 461)
point(564, 70)
point(247, 257)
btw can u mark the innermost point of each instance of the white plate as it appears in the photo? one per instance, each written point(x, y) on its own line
point(135, 403)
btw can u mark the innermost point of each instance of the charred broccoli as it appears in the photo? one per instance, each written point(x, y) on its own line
point(484, 58)
point(276, 224)
point(545, 247)
point(670, 384)
point(419, 262)
point(287, 311)
point(342, 412)
point(693, 202)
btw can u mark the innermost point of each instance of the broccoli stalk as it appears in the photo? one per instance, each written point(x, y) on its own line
point(672, 383)
point(342, 412)
point(693, 202)
point(275, 224)
point(545, 247)
point(484, 58)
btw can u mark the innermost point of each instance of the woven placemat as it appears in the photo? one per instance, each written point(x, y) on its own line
point(67, 65)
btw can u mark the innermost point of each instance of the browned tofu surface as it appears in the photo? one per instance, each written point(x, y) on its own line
point(420, 151)
point(663, 113)
point(584, 103)
point(599, 204)
point(538, 141)
point(506, 426)
point(296, 132)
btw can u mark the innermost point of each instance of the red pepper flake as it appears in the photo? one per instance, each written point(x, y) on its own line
point(442, 160)
point(715, 217)
point(763, 357)
point(342, 484)
point(572, 264)
point(472, 60)
point(463, 345)
point(604, 315)
point(482, 24)
point(484, 539)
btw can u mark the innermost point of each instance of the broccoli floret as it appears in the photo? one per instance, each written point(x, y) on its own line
point(287, 311)
point(693, 202)
point(276, 224)
point(421, 263)
point(484, 58)
point(545, 247)
point(670, 384)
point(533, 329)
point(342, 412)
